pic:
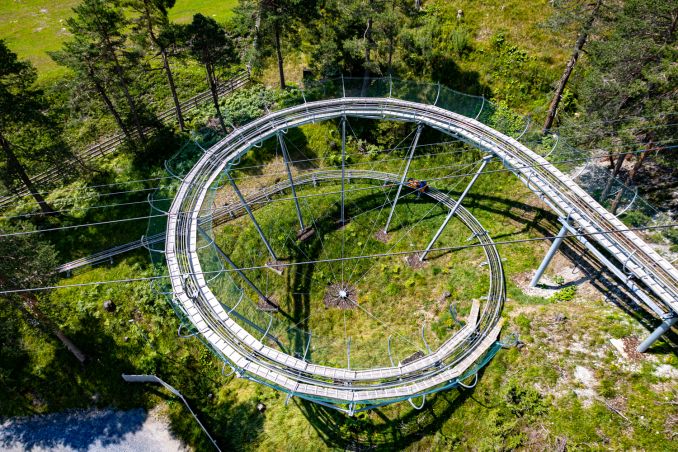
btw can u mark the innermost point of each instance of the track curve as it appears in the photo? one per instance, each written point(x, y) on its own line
point(648, 275)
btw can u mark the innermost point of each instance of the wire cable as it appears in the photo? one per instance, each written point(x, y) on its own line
point(367, 256)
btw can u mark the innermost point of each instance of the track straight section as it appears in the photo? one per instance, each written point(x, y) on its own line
point(643, 270)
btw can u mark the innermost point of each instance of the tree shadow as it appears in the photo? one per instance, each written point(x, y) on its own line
point(448, 73)
point(384, 428)
point(78, 430)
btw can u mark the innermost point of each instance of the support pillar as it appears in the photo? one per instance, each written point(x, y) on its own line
point(454, 209)
point(239, 271)
point(343, 165)
point(286, 158)
point(656, 334)
point(402, 179)
point(249, 212)
point(549, 255)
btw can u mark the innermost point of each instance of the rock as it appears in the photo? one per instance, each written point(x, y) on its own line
point(261, 407)
point(559, 318)
point(109, 306)
point(126, 338)
point(446, 294)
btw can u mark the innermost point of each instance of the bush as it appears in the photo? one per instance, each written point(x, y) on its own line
point(524, 401)
point(460, 40)
point(636, 219)
point(565, 294)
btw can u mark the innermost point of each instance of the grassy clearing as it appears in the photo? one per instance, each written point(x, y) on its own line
point(395, 299)
point(34, 27)
point(184, 10)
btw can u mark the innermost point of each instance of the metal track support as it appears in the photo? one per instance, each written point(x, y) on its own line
point(656, 334)
point(343, 166)
point(249, 212)
point(238, 270)
point(549, 255)
point(420, 127)
point(286, 158)
point(456, 207)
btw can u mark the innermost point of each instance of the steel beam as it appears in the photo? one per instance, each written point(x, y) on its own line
point(238, 270)
point(420, 127)
point(286, 158)
point(549, 255)
point(656, 334)
point(249, 212)
point(486, 160)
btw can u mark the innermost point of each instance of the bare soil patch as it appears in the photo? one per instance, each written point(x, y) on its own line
point(339, 296)
point(413, 261)
point(382, 236)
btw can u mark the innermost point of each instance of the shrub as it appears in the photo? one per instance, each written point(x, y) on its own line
point(523, 322)
point(635, 218)
point(524, 401)
point(460, 40)
point(565, 294)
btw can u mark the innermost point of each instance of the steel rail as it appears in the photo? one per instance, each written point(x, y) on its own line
point(433, 359)
point(282, 370)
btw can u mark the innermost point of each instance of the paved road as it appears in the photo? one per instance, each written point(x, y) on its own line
point(92, 431)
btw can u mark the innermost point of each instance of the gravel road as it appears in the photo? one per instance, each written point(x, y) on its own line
point(90, 430)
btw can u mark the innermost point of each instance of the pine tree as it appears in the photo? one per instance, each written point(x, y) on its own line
point(629, 91)
point(99, 52)
point(208, 43)
point(153, 24)
point(29, 262)
point(22, 109)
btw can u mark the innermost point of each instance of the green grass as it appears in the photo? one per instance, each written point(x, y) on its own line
point(220, 11)
point(34, 27)
point(524, 397)
point(389, 289)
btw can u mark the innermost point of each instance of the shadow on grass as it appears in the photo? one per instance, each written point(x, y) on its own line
point(387, 428)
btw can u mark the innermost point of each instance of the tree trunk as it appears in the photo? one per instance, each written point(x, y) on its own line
point(615, 171)
point(368, 57)
point(166, 65)
point(631, 176)
point(125, 89)
point(215, 96)
point(278, 51)
point(130, 102)
point(16, 166)
point(173, 89)
point(111, 108)
point(391, 48)
point(31, 305)
point(553, 107)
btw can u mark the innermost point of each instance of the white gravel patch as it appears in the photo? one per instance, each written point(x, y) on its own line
point(586, 377)
point(90, 430)
point(666, 371)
